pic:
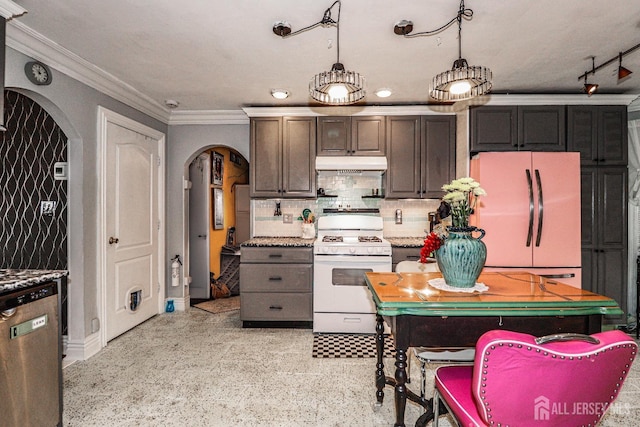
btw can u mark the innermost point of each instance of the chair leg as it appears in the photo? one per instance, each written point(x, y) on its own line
point(423, 382)
point(409, 367)
point(436, 407)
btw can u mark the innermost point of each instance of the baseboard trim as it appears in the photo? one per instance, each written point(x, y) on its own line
point(82, 350)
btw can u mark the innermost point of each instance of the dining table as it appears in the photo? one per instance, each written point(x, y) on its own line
point(421, 310)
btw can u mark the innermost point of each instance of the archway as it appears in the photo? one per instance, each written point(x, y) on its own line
point(227, 170)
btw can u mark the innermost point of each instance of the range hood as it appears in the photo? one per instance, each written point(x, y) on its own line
point(351, 164)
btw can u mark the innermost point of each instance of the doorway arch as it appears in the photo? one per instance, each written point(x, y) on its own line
point(228, 168)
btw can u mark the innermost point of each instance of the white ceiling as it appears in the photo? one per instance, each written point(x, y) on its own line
point(222, 55)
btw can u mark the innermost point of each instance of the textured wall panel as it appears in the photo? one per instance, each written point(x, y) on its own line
point(29, 148)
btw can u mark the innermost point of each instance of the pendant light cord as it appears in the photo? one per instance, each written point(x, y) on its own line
point(462, 13)
point(326, 21)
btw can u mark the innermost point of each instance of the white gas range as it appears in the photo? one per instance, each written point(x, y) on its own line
point(347, 246)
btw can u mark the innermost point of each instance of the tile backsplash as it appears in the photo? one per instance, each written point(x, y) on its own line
point(350, 191)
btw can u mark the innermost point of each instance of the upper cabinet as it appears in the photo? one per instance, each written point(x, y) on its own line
point(351, 136)
point(517, 128)
point(421, 155)
point(599, 133)
point(283, 151)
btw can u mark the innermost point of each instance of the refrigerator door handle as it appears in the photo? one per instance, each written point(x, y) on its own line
point(530, 232)
point(540, 208)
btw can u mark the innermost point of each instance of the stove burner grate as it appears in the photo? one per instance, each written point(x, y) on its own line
point(365, 239)
point(332, 239)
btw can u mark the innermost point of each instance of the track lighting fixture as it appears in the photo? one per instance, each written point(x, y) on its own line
point(337, 86)
point(590, 88)
point(622, 71)
point(462, 81)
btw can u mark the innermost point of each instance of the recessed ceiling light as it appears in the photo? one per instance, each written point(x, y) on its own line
point(279, 93)
point(383, 93)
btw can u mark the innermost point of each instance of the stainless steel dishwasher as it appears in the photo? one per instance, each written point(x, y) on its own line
point(30, 356)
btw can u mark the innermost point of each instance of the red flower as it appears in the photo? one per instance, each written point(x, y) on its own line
point(431, 244)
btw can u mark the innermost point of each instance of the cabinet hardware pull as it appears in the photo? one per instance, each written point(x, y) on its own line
point(530, 184)
point(275, 307)
point(540, 208)
point(275, 279)
point(113, 240)
point(275, 255)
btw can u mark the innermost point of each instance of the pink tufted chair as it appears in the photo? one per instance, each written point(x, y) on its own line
point(520, 380)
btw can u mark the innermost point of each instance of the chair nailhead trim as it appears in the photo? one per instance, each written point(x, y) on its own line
point(529, 348)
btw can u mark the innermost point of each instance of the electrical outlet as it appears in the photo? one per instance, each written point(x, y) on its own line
point(287, 218)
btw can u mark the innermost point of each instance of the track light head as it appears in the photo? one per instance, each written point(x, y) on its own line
point(623, 72)
point(590, 88)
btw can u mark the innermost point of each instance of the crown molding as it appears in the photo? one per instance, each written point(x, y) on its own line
point(208, 117)
point(31, 43)
point(368, 110)
point(541, 99)
point(10, 10)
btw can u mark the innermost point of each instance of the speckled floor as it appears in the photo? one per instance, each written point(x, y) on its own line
point(199, 369)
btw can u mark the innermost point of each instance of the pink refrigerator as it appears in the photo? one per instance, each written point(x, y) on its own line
point(531, 213)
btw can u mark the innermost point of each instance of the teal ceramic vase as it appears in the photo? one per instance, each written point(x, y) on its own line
point(462, 256)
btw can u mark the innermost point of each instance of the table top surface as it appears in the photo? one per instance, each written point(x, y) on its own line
point(509, 294)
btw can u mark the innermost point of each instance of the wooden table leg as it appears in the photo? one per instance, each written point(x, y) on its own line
point(401, 388)
point(380, 377)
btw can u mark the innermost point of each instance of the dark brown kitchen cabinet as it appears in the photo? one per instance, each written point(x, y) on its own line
point(283, 151)
point(276, 284)
point(604, 232)
point(421, 155)
point(517, 128)
point(351, 136)
point(599, 133)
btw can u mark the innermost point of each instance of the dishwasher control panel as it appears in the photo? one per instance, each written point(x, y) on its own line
point(27, 295)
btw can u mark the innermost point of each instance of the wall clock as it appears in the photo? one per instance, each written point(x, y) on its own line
point(37, 73)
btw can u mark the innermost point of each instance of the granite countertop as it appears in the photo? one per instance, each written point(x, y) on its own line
point(13, 279)
point(279, 241)
point(406, 242)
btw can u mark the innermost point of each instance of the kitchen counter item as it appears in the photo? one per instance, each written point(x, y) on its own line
point(406, 242)
point(278, 241)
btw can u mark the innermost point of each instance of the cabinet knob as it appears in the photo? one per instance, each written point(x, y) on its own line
point(113, 240)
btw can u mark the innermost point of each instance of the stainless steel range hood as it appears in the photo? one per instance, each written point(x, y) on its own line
point(351, 164)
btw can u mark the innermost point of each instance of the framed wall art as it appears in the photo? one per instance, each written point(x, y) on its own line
point(217, 168)
point(218, 208)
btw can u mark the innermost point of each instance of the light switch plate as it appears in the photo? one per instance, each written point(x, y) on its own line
point(48, 207)
point(287, 218)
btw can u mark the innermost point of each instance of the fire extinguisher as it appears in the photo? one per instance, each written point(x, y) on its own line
point(175, 270)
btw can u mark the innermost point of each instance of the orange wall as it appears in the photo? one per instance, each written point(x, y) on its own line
point(231, 174)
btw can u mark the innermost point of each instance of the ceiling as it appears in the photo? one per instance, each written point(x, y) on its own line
point(223, 55)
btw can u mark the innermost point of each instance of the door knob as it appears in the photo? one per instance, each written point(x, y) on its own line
point(113, 240)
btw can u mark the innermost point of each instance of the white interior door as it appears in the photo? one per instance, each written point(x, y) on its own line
point(199, 225)
point(132, 225)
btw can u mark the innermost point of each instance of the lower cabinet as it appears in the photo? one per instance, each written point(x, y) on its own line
point(605, 232)
point(399, 254)
point(276, 284)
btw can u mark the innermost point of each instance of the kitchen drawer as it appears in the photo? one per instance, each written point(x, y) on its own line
point(276, 255)
point(276, 278)
point(258, 306)
point(405, 254)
